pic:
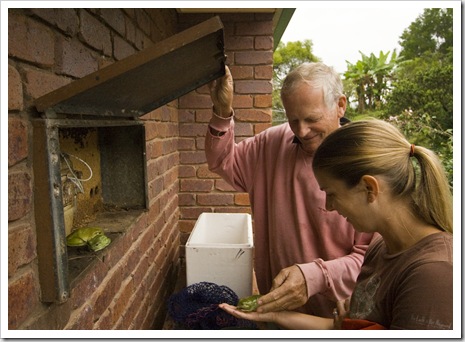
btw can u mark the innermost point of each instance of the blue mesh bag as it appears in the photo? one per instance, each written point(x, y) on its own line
point(195, 307)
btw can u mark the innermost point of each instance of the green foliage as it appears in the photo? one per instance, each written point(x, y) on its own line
point(285, 58)
point(421, 101)
point(425, 86)
point(368, 80)
point(430, 32)
point(425, 130)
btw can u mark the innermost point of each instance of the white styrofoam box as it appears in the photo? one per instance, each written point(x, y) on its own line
point(220, 250)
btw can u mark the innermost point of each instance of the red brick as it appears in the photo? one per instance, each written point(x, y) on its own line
point(154, 149)
point(186, 226)
point(200, 143)
point(83, 319)
point(192, 157)
point(173, 160)
point(256, 28)
point(19, 195)
point(236, 209)
point(186, 199)
point(264, 72)
point(30, 40)
point(253, 115)
point(239, 43)
point(263, 101)
point(184, 237)
point(263, 43)
point(83, 289)
point(17, 140)
point(106, 292)
point(95, 33)
point(242, 199)
point(187, 115)
point(151, 131)
point(192, 129)
point(196, 185)
point(122, 300)
point(205, 90)
point(15, 89)
point(21, 248)
point(74, 59)
point(155, 187)
point(65, 19)
point(170, 177)
point(203, 115)
point(192, 212)
point(122, 49)
point(186, 171)
point(162, 113)
point(215, 199)
point(130, 25)
point(260, 127)
point(170, 146)
point(164, 129)
point(140, 271)
point(253, 87)
point(253, 57)
point(195, 100)
point(22, 299)
point(143, 20)
point(40, 82)
point(204, 172)
point(242, 101)
point(104, 322)
point(264, 16)
point(241, 72)
point(114, 18)
point(233, 18)
point(141, 309)
point(186, 144)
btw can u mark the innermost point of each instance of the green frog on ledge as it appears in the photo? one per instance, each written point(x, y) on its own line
point(92, 237)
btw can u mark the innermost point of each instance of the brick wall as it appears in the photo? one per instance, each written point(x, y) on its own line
point(49, 48)
point(249, 47)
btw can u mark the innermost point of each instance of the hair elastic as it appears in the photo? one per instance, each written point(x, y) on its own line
point(412, 150)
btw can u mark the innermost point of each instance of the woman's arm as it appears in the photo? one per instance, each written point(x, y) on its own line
point(285, 319)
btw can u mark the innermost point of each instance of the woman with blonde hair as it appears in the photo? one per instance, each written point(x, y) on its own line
point(383, 184)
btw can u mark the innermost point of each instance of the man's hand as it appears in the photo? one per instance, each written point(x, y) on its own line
point(288, 291)
point(221, 93)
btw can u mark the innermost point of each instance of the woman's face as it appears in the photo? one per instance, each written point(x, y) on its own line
point(351, 203)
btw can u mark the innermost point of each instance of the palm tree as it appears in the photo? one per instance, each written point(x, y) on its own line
point(371, 76)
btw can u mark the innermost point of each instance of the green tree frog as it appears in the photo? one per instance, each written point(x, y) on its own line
point(248, 304)
point(93, 237)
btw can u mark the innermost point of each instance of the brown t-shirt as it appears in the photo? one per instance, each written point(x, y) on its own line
point(408, 290)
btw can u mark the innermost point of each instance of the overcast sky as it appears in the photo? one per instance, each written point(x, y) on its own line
point(339, 32)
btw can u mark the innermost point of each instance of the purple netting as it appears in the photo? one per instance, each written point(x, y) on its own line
point(196, 307)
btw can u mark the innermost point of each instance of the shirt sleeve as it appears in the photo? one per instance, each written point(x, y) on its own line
point(235, 163)
point(424, 299)
point(336, 278)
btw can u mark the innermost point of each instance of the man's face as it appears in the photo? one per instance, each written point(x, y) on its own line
point(309, 118)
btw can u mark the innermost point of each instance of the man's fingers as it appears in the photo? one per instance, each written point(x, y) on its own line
point(273, 301)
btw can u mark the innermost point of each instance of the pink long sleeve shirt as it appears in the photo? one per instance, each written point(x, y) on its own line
point(291, 225)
